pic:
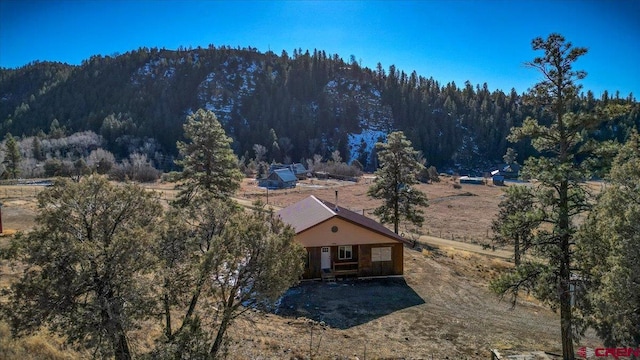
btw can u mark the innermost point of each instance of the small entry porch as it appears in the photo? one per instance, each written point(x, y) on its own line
point(362, 260)
point(339, 261)
point(342, 269)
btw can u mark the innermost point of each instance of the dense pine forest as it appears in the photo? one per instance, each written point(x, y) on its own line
point(295, 105)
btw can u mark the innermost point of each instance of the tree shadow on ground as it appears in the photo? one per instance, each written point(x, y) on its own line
point(345, 304)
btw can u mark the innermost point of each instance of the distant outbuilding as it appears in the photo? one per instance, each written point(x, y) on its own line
point(509, 171)
point(471, 180)
point(498, 180)
point(297, 169)
point(279, 179)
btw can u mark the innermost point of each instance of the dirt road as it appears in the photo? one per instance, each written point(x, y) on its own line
point(457, 245)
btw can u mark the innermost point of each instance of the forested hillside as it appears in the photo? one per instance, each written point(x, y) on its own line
point(295, 105)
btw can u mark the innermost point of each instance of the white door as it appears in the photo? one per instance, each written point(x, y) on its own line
point(325, 259)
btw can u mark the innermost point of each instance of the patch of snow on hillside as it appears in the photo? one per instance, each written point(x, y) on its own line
point(222, 111)
point(369, 137)
point(209, 106)
point(244, 88)
point(252, 68)
point(147, 69)
point(210, 78)
point(169, 72)
point(226, 109)
point(231, 83)
point(203, 92)
point(154, 68)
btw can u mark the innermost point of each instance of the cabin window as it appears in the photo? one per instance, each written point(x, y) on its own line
point(345, 252)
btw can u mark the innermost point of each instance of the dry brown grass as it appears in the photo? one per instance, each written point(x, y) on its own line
point(460, 214)
point(18, 214)
point(41, 346)
point(463, 214)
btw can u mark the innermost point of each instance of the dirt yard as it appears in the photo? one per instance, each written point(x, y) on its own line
point(441, 309)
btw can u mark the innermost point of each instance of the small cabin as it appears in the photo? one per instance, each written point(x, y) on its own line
point(340, 242)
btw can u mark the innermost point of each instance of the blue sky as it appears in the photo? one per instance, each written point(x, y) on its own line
point(479, 41)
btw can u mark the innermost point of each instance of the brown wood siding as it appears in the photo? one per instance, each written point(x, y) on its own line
point(398, 259)
point(362, 255)
point(313, 270)
point(381, 268)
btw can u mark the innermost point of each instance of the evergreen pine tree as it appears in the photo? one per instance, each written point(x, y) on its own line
point(87, 265)
point(516, 220)
point(12, 155)
point(510, 156)
point(394, 179)
point(37, 149)
point(209, 164)
point(609, 249)
point(560, 169)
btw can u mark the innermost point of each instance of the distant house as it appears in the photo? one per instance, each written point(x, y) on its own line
point(509, 171)
point(471, 180)
point(340, 242)
point(297, 169)
point(279, 179)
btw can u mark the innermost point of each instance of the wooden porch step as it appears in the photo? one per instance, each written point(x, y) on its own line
point(345, 272)
point(327, 275)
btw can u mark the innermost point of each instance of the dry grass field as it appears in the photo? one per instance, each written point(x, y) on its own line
point(462, 214)
point(441, 308)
